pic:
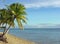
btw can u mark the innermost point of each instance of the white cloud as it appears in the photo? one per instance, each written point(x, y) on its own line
point(39, 4)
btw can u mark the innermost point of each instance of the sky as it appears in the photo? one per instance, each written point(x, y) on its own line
point(39, 11)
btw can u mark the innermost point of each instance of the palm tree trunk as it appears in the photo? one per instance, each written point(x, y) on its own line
point(2, 36)
point(6, 31)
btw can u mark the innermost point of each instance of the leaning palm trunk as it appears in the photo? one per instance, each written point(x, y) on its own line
point(2, 36)
point(6, 31)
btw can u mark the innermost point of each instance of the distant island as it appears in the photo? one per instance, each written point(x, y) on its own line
point(43, 26)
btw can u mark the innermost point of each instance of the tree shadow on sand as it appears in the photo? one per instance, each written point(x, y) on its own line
point(3, 38)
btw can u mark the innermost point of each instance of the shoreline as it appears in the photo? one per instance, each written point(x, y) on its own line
point(16, 40)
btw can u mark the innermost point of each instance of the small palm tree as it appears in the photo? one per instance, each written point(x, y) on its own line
point(3, 16)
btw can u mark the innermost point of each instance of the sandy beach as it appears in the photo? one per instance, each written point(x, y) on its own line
point(14, 40)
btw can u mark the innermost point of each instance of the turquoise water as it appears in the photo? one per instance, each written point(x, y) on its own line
point(39, 35)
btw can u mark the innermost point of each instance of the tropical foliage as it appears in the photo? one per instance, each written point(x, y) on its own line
point(11, 13)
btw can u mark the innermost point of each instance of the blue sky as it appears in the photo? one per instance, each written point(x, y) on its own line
point(39, 11)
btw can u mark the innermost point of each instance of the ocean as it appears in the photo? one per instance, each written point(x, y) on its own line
point(38, 35)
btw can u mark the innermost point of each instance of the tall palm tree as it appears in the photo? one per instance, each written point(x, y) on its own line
point(16, 12)
point(13, 12)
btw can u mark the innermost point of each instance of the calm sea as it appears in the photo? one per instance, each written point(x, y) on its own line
point(39, 35)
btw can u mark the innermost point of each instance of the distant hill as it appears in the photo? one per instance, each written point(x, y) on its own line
point(43, 26)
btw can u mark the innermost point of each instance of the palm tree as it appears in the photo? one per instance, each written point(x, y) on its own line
point(13, 12)
point(3, 16)
point(3, 22)
point(17, 12)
